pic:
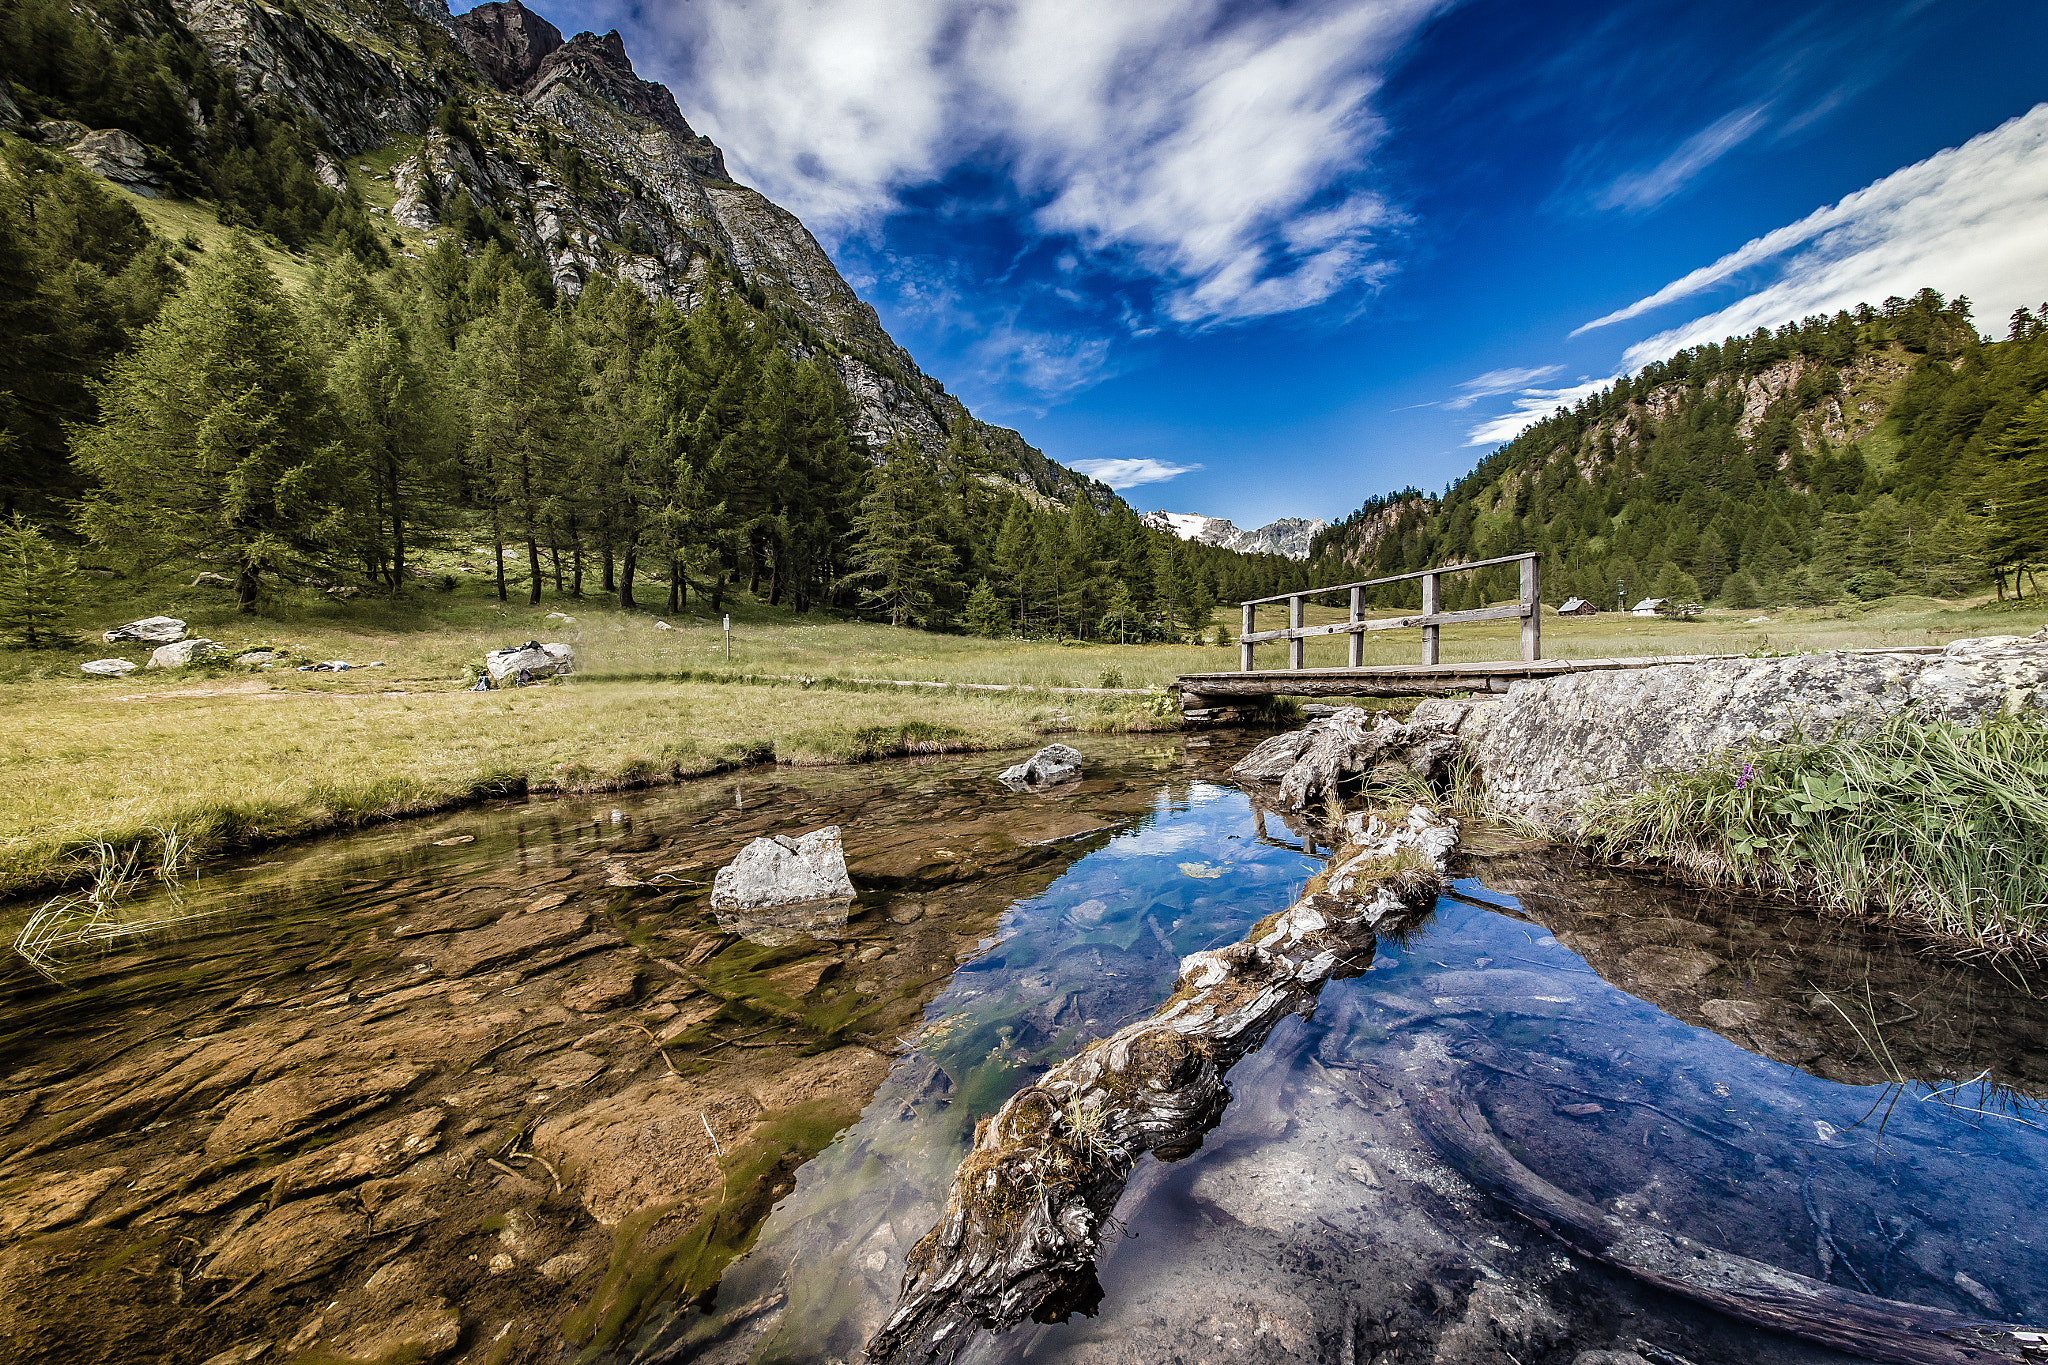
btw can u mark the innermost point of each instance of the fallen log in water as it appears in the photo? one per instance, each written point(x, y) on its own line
point(1861, 1324)
point(1031, 1201)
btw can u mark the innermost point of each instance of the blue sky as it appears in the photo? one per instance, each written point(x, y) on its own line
point(1309, 251)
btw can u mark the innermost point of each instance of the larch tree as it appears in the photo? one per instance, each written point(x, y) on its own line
point(217, 436)
point(519, 373)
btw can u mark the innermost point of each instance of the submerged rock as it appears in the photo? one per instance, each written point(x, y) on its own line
point(516, 665)
point(150, 630)
point(781, 871)
point(1050, 766)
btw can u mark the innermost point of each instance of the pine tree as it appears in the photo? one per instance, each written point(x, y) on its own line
point(1710, 562)
point(1121, 612)
point(217, 436)
point(389, 429)
point(518, 375)
point(900, 559)
point(36, 584)
point(985, 615)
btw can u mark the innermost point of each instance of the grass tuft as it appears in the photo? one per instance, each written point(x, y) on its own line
point(1938, 825)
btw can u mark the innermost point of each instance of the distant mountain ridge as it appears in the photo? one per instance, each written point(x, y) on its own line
point(1289, 536)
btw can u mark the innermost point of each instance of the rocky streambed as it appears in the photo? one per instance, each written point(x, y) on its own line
point(508, 1087)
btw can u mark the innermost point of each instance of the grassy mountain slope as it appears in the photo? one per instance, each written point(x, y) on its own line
point(1887, 450)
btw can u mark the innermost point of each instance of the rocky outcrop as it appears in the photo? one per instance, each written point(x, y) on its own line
point(1030, 1204)
point(1550, 746)
point(779, 871)
point(109, 152)
point(150, 630)
point(1050, 766)
point(508, 42)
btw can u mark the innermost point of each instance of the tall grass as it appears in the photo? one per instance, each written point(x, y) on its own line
point(1940, 825)
point(98, 916)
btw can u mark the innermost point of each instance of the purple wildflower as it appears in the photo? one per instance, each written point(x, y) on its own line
point(1745, 777)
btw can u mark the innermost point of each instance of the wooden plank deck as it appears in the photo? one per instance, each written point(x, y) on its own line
point(1202, 690)
point(1199, 690)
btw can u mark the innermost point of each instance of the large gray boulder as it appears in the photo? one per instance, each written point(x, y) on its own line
point(1552, 745)
point(530, 662)
point(1050, 766)
point(781, 871)
point(108, 668)
point(183, 652)
point(150, 630)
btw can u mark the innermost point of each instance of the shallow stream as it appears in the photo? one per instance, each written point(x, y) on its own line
point(466, 1086)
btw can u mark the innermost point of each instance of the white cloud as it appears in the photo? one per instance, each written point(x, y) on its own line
point(1646, 189)
point(1219, 151)
point(1969, 220)
point(1122, 474)
point(1495, 382)
point(1531, 406)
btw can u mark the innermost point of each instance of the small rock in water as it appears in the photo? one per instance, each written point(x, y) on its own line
point(784, 871)
point(1054, 764)
point(108, 668)
point(1580, 1111)
point(150, 630)
point(457, 839)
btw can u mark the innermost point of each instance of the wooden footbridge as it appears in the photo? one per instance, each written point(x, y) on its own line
point(1201, 692)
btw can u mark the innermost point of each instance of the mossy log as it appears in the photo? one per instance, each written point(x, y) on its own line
point(1030, 1204)
point(1861, 1324)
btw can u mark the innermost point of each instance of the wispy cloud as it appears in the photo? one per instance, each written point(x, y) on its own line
point(1530, 407)
point(1645, 189)
point(1122, 474)
point(1496, 382)
point(1219, 150)
point(1969, 220)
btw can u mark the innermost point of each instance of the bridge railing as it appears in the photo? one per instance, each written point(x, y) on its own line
point(1430, 618)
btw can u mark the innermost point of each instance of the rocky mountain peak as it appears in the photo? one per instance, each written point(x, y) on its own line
point(601, 66)
point(508, 42)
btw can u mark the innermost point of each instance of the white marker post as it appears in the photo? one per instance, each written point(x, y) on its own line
point(728, 639)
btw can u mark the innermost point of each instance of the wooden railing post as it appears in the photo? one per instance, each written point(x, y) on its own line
point(1357, 654)
point(1244, 647)
point(1532, 609)
point(1294, 605)
point(1431, 604)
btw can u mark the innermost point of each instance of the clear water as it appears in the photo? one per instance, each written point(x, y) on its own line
point(1317, 1220)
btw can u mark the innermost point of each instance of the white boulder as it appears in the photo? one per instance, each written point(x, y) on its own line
point(108, 668)
point(784, 871)
point(1053, 764)
point(183, 652)
point(529, 662)
point(150, 630)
